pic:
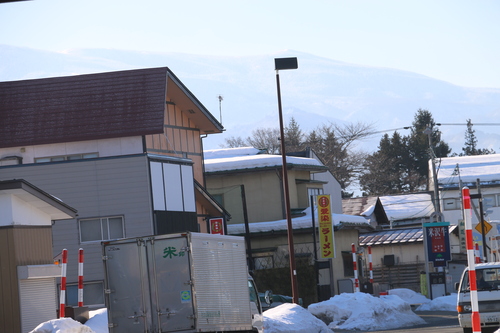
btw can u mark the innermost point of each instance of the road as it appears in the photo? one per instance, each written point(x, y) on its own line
point(436, 321)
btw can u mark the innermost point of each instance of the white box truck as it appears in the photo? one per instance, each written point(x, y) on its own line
point(488, 295)
point(188, 282)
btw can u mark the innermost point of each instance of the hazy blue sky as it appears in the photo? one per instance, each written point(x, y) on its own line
point(454, 40)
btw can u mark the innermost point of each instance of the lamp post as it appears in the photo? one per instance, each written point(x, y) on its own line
point(287, 63)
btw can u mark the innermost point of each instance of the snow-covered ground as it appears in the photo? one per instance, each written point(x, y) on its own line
point(357, 311)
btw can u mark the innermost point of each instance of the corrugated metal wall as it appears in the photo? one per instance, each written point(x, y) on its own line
point(19, 246)
point(96, 188)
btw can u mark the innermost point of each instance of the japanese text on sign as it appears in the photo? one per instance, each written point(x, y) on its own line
point(326, 242)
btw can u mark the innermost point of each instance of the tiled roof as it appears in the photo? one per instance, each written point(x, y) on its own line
point(393, 236)
point(89, 107)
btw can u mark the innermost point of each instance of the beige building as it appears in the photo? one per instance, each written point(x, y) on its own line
point(248, 183)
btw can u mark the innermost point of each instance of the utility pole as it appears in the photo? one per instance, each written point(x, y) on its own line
point(437, 204)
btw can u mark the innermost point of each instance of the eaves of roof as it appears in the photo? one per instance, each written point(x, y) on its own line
point(290, 166)
point(57, 209)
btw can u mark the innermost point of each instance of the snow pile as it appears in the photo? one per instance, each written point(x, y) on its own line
point(62, 325)
point(360, 311)
point(409, 296)
point(97, 323)
point(444, 303)
point(292, 318)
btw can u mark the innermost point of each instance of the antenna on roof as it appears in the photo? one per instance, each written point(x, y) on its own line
point(221, 98)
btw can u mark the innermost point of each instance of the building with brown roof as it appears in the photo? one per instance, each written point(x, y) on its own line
point(123, 148)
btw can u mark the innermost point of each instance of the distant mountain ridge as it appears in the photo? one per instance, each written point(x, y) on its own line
point(320, 91)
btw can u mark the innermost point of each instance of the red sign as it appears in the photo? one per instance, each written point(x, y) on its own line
point(436, 234)
point(217, 226)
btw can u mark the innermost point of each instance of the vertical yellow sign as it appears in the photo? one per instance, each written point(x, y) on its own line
point(326, 242)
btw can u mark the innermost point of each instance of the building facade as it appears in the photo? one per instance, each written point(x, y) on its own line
point(123, 148)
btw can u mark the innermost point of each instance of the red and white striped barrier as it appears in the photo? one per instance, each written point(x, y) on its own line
point(355, 267)
point(370, 264)
point(62, 296)
point(477, 254)
point(80, 277)
point(476, 319)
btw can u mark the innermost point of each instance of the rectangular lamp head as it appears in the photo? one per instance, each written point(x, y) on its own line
point(285, 63)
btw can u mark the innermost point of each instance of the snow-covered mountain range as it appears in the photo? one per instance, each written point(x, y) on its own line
point(320, 91)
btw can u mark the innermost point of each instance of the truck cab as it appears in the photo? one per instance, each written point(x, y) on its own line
point(488, 294)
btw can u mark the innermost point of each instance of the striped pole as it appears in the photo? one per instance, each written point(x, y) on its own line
point(355, 268)
point(80, 278)
point(62, 298)
point(475, 318)
point(477, 254)
point(370, 265)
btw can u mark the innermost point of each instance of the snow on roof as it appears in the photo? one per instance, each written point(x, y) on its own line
point(249, 158)
point(297, 223)
point(484, 167)
point(230, 152)
point(403, 207)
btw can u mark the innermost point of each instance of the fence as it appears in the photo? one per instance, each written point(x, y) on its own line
point(399, 276)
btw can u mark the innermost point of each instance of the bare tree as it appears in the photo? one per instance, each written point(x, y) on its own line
point(265, 138)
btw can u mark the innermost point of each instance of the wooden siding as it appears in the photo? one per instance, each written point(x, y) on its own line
point(181, 138)
point(19, 246)
point(96, 188)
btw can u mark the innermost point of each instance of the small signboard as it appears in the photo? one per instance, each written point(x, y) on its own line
point(438, 243)
point(326, 241)
point(216, 225)
point(487, 227)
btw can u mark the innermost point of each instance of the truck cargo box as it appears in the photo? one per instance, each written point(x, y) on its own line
point(187, 282)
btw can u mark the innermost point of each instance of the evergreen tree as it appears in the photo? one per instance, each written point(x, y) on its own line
point(401, 163)
point(470, 147)
point(424, 143)
point(294, 137)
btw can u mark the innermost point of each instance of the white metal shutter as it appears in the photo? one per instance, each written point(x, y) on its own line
point(38, 300)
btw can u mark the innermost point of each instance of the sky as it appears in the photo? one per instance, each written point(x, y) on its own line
point(451, 40)
point(359, 312)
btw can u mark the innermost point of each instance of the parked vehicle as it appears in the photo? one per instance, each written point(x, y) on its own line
point(187, 282)
point(269, 300)
point(488, 294)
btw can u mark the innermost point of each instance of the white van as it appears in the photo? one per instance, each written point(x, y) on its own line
point(488, 294)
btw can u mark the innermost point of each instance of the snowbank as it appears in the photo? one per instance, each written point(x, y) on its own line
point(409, 296)
point(62, 325)
point(444, 303)
point(357, 311)
point(292, 318)
point(360, 311)
point(97, 323)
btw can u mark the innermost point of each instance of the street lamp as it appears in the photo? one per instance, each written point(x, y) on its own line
point(279, 64)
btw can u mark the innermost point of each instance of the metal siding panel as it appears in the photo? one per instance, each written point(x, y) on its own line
point(38, 298)
point(221, 262)
point(80, 185)
point(9, 315)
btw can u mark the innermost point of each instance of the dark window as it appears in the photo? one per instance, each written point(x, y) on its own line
point(348, 266)
point(174, 222)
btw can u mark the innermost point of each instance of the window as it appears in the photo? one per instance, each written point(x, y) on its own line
point(93, 294)
point(314, 191)
point(66, 157)
point(101, 229)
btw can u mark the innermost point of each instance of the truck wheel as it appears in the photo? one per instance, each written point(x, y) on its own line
point(467, 329)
